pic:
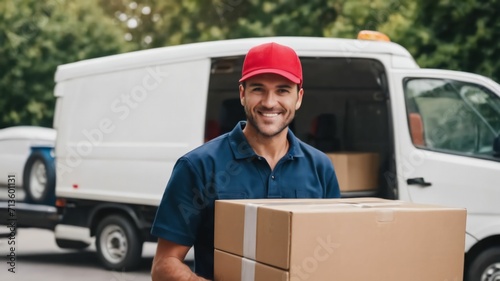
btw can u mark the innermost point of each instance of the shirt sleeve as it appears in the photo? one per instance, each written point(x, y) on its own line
point(332, 189)
point(180, 210)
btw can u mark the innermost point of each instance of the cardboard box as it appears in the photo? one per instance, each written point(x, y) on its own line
point(229, 267)
point(343, 239)
point(356, 171)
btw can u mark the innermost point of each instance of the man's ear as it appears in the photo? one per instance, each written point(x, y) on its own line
point(242, 95)
point(299, 98)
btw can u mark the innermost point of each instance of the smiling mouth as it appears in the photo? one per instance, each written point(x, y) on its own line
point(270, 114)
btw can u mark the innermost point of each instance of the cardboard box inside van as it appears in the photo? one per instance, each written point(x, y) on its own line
point(356, 171)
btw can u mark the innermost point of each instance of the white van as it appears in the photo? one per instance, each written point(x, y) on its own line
point(122, 122)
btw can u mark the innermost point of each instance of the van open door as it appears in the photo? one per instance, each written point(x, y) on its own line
point(446, 127)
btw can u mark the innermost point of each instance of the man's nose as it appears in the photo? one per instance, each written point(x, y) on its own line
point(269, 100)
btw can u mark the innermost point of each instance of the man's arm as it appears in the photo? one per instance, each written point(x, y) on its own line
point(332, 187)
point(168, 263)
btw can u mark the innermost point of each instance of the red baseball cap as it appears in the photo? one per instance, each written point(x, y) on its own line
point(272, 58)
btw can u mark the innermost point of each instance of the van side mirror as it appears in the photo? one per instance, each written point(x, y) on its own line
point(496, 146)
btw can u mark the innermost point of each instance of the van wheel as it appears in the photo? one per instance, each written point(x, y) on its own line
point(39, 179)
point(486, 266)
point(118, 243)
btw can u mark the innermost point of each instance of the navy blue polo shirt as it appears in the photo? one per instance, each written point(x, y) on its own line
point(228, 168)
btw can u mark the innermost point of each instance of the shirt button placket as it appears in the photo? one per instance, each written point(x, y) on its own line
point(273, 191)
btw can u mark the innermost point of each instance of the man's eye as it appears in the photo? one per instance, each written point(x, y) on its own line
point(257, 90)
point(283, 91)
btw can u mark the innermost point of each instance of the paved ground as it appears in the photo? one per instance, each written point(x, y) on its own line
point(38, 258)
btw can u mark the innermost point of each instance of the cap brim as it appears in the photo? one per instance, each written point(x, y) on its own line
point(285, 74)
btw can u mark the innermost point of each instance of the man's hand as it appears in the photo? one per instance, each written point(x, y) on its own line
point(168, 263)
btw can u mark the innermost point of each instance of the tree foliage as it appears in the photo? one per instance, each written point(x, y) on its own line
point(178, 22)
point(172, 23)
point(460, 35)
point(35, 37)
point(38, 35)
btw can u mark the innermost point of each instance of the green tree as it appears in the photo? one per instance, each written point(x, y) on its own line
point(460, 35)
point(177, 22)
point(35, 37)
point(382, 15)
point(158, 23)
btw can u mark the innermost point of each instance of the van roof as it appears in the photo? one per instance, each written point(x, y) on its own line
point(304, 46)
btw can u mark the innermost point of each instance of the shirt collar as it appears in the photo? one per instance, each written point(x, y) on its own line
point(242, 149)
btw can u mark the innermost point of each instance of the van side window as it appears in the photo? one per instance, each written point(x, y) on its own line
point(452, 116)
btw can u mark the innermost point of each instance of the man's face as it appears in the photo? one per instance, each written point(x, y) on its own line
point(270, 102)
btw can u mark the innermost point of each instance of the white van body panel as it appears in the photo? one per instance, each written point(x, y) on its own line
point(457, 180)
point(482, 226)
point(469, 241)
point(137, 122)
point(145, 109)
point(225, 48)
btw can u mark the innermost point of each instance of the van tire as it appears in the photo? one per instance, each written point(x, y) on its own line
point(39, 179)
point(486, 266)
point(118, 243)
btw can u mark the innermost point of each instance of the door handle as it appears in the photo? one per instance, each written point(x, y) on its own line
point(418, 181)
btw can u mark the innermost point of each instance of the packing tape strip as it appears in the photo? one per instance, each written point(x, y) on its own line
point(247, 270)
point(250, 231)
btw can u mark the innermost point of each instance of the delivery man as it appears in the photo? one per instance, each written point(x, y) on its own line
point(259, 158)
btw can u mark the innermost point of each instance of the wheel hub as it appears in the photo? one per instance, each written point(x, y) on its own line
point(38, 179)
point(491, 273)
point(114, 243)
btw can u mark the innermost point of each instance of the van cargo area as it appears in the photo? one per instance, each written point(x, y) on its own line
point(345, 109)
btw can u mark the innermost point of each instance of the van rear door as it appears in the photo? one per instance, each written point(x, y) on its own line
point(445, 126)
